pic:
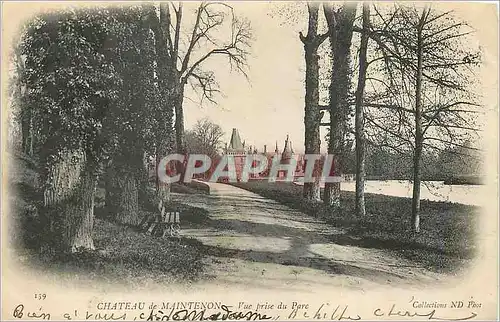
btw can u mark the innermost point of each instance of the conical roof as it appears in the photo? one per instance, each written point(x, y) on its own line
point(286, 150)
point(235, 142)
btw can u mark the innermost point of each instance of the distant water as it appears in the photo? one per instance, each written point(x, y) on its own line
point(430, 190)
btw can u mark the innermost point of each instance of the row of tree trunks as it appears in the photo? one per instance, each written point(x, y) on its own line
point(340, 27)
point(312, 115)
point(69, 197)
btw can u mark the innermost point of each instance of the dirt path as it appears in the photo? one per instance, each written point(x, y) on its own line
point(254, 242)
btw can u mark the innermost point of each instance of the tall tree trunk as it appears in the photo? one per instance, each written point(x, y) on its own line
point(27, 130)
point(162, 188)
point(180, 139)
point(415, 208)
point(21, 115)
point(312, 115)
point(166, 82)
point(69, 197)
point(180, 133)
point(359, 121)
point(417, 156)
point(122, 182)
point(340, 26)
point(122, 201)
point(143, 182)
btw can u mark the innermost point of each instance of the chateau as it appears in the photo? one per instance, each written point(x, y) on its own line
point(239, 151)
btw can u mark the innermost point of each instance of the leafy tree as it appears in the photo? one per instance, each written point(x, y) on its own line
point(131, 129)
point(91, 88)
point(69, 86)
point(163, 131)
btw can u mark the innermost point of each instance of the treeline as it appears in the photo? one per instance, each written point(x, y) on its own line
point(97, 92)
point(446, 165)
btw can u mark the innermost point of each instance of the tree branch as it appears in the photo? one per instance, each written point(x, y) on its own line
point(178, 19)
point(235, 50)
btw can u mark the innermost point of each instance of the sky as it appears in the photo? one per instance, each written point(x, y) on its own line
point(270, 104)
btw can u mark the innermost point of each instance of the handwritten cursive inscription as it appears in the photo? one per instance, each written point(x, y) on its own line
point(430, 315)
point(194, 315)
point(325, 312)
point(19, 313)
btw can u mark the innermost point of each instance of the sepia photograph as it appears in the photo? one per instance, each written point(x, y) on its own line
point(249, 161)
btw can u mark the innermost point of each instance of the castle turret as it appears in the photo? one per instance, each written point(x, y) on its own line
point(287, 153)
point(235, 145)
point(237, 150)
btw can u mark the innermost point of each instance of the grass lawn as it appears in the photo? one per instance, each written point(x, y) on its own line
point(446, 241)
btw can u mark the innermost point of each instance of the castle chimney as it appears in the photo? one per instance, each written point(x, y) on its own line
point(265, 149)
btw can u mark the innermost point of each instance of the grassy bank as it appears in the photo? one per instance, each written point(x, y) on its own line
point(465, 180)
point(190, 188)
point(123, 254)
point(446, 242)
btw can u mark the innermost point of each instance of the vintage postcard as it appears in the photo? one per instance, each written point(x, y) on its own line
point(255, 161)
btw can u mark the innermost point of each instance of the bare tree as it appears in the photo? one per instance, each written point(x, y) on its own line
point(417, 155)
point(205, 138)
point(424, 98)
point(359, 115)
point(187, 65)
